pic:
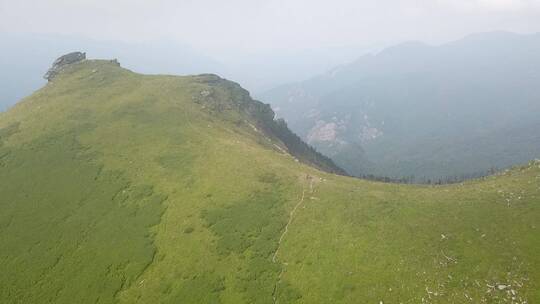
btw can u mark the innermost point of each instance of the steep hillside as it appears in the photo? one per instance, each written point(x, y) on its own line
point(430, 111)
point(124, 188)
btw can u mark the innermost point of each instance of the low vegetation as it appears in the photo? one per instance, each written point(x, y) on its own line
point(125, 188)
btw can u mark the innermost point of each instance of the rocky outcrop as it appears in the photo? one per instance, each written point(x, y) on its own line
point(60, 63)
point(222, 95)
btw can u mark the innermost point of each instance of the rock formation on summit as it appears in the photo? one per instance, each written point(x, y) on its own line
point(63, 61)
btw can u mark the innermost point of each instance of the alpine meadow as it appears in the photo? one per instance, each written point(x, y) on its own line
point(270, 152)
point(119, 187)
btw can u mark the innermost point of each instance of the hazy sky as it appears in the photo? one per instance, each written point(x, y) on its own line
point(251, 26)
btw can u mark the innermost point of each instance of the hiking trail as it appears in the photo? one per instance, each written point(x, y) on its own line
point(291, 218)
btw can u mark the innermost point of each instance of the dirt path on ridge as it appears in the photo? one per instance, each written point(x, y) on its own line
point(291, 218)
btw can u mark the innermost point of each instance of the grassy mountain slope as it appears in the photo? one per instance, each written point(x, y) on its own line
point(124, 188)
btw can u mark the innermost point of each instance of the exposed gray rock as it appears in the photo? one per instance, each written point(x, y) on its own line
point(62, 62)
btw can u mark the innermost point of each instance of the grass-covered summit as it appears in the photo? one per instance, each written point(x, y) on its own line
point(125, 188)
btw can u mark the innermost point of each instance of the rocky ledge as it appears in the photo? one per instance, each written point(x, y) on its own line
point(62, 62)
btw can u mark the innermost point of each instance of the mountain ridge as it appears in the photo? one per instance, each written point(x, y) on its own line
point(127, 188)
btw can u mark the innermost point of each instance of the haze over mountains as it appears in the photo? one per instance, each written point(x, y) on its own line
point(459, 109)
point(456, 109)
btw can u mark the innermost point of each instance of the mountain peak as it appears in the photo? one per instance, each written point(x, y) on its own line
point(66, 60)
point(223, 100)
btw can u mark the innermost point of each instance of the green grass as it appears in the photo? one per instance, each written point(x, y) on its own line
point(71, 231)
point(124, 188)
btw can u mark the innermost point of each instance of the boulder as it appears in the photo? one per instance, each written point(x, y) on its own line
point(62, 62)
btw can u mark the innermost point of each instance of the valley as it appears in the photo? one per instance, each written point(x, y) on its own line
point(424, 112)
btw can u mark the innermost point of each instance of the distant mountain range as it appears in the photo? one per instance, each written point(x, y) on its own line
point(457, 109)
